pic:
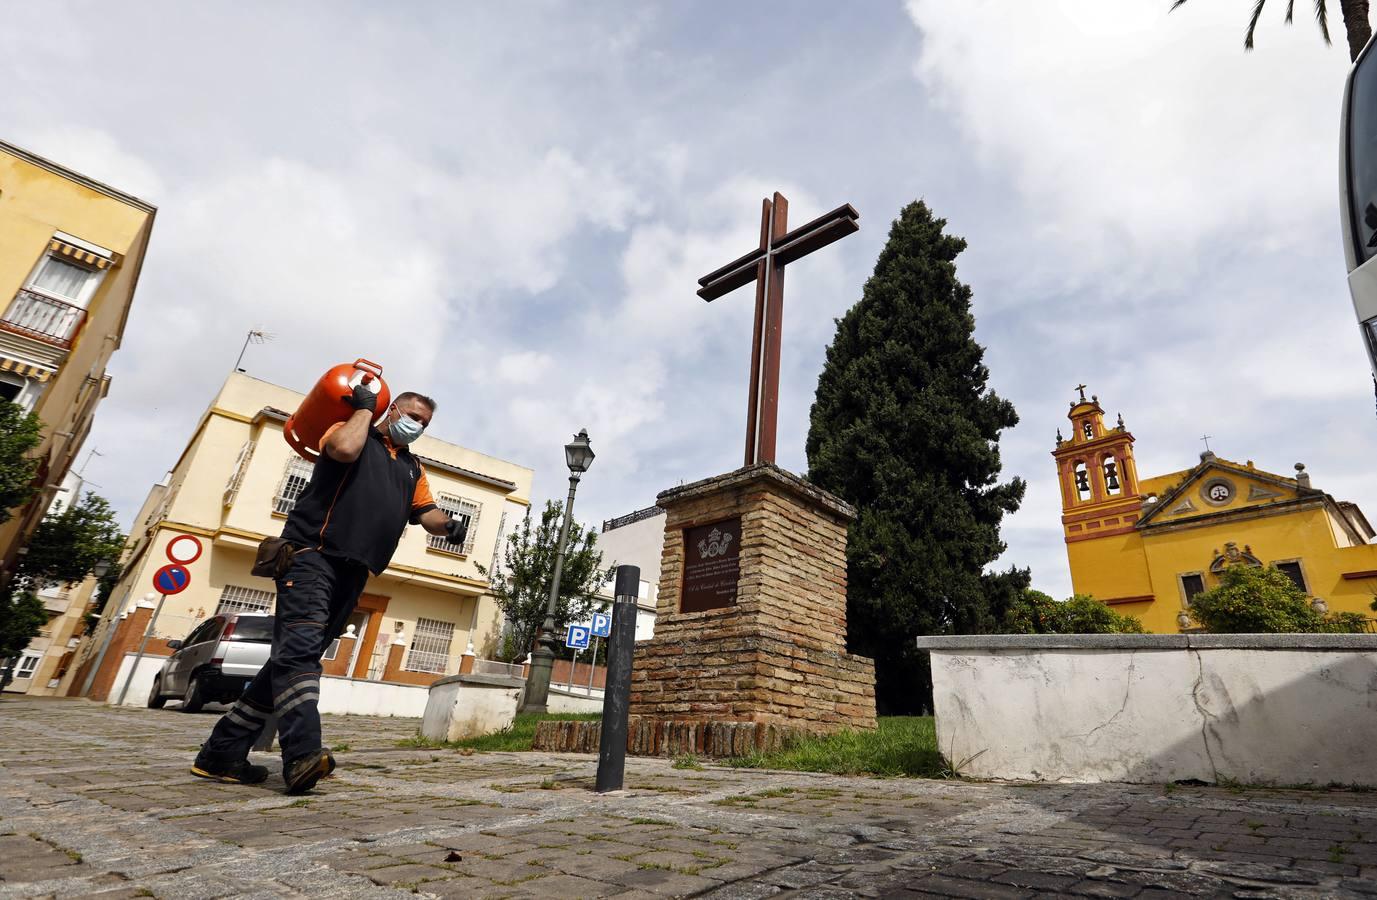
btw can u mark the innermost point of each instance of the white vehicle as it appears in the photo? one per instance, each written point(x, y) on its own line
point(215, 662)
point(1358, 190)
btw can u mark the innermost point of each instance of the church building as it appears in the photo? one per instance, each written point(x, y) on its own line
point(1146, 546)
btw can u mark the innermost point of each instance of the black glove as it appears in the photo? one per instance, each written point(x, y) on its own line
point(456, 530)
point(362, 398)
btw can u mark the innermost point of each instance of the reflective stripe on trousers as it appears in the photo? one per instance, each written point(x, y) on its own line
point(314, 600)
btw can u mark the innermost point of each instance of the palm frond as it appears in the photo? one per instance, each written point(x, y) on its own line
point(1175, 4)
point(1252, 23)
point(1290, 9)
point(1322, 17)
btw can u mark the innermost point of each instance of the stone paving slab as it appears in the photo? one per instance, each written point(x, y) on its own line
point(98, 802)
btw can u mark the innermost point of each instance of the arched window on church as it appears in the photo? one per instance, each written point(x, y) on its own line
point(1111, 476)
point(1082, 475)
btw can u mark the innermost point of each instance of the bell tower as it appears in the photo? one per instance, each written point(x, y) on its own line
point(1097, 474)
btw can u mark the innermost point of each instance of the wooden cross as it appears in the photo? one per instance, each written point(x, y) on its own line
point(765, 266)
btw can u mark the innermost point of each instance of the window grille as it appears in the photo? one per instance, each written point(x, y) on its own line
point(294, 480)
point(430, 645)
point(459, 508)
point(237, 476)
point(236, 599)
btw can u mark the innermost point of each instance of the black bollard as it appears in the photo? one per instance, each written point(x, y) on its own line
point(616, 699)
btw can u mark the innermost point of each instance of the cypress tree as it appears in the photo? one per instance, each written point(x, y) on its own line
point(905, 428)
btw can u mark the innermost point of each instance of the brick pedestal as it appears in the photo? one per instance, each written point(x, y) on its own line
point(777, 656)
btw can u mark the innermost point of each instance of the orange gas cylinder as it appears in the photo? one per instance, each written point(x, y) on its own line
point(326, 405)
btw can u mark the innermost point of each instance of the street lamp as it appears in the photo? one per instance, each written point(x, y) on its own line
point(578, 455)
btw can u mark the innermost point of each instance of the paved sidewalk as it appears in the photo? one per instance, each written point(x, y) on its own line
point(98, 802)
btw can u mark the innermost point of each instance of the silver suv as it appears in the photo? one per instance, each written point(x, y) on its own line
point(215, 662)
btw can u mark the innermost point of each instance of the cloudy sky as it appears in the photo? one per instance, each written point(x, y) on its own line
point(508, 204)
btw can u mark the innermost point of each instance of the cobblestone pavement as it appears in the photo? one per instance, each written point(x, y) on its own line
point(96, 801)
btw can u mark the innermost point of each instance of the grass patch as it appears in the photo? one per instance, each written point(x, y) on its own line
point(686, 761)
point(340, 748)
point(516, 737)
point(902, 745)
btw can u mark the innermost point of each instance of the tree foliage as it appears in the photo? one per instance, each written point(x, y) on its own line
point(1253, 600)
point(1354, 12)
point(1037, 613)
point(522, 588)
point(65, 548)
point(19, 434)
point(21, 616)
point(905, 428)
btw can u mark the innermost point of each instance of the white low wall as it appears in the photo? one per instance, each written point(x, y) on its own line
point(1259, 709)
point(463, 706)
point(360, 697)
point(142, 683)
point(564, 702)
point(341, 696)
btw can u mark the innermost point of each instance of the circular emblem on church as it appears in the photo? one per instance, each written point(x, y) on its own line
point(1217, 491)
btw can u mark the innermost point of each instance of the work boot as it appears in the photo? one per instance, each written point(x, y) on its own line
point(227, 768)
point(302, 773)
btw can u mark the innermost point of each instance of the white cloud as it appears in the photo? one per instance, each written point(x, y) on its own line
point(1135, 136)
point(525, 367)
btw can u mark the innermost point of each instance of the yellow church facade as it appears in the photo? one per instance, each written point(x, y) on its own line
point(1146, 546)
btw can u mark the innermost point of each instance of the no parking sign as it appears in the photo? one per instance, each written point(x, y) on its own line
point(175, 577)
point(171, 579)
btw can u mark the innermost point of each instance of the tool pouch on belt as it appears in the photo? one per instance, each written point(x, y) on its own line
point(274, 556)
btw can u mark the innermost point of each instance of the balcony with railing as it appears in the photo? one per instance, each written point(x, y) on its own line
point(44, 318)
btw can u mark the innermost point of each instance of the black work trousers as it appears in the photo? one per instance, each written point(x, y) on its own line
point(314, 600)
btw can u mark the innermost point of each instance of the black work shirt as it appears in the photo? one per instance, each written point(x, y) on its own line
point(359, 510)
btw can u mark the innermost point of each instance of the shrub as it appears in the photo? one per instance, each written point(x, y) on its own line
point(1252, 600)
point(1037, 613)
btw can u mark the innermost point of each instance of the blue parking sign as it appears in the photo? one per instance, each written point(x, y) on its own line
point(602, 625)
point(576, 638)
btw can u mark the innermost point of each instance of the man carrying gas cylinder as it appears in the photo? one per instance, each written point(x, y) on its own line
point(365, 489)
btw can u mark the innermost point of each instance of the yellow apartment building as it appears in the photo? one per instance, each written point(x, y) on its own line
point(234, 484)
point(1146, 546)
point(70, 253)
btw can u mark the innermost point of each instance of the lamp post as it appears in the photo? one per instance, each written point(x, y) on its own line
point(578, 455)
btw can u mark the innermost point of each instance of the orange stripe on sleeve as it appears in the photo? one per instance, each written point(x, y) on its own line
point(422, 497)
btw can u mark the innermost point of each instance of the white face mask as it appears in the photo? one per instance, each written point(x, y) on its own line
point(405, 429)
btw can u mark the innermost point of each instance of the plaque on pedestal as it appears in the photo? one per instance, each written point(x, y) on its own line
point(750, 632)
point(712, 566)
